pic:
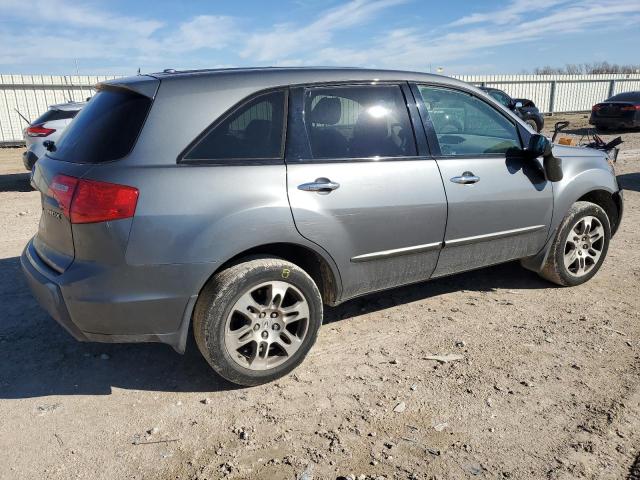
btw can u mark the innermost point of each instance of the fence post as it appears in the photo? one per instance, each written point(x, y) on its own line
point(552, 97)
point(612, 88)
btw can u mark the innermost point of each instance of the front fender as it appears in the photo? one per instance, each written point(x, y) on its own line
point(584, 171)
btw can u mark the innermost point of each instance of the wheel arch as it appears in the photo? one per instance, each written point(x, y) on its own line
point(611, 203)
point(321, 269)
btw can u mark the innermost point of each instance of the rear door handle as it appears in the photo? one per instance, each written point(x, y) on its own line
point(321, 185)
point(467, 178)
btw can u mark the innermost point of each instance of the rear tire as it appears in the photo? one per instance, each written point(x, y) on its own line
point(580, 246)
point(256, 321)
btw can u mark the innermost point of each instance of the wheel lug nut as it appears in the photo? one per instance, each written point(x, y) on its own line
point(265, 334)
point(276, 327)
point(256, 327)
point(274, 314)
point(262, 315)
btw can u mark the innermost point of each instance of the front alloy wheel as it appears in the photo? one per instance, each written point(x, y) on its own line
point(584, 245)
point(580, 246)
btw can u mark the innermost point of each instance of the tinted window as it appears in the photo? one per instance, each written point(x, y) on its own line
point(465, 125)
point(358, 122)
point(626, 97)
point(253, 131)
point(105, 129)
point(55, 114)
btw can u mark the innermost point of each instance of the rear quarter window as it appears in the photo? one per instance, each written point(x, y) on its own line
point(106, 128)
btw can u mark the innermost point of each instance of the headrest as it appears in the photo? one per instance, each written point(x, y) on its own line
point(327, 111)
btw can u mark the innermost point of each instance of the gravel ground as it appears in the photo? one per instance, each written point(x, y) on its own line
point(547, 386)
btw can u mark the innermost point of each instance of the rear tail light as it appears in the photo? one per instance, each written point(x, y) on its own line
point(39, 131)
point(90, 201)
point(595, 108)
point(631, 108)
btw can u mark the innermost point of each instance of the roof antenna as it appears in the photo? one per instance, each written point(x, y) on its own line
point(138, 70)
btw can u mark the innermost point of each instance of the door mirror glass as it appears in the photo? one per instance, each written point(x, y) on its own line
point(518, 105)
point(539, 146)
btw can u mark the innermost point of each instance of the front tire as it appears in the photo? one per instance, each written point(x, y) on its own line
point(580, 246)
point(256, 321)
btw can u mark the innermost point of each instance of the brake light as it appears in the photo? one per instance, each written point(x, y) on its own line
point(596, 108)
point(631, 108)
point(39, 131)
point(90, 201)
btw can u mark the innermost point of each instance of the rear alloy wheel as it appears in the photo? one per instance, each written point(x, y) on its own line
point(257, 320)
point(267, 325)
point(580, 246)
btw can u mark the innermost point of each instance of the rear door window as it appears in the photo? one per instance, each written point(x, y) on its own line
point(106, 128)
point(358, 122)
point(254, 130)
point(466, 125)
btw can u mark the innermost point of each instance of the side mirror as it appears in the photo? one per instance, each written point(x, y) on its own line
point(540, 146)
point(518, 105)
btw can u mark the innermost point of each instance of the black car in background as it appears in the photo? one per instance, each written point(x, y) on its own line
point(522, 107)
point(620, 111)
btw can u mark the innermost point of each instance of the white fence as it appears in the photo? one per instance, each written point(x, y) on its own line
point(32, 94)
point(559, 93)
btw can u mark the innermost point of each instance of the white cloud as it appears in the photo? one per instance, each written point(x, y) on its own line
point(283, 40)
point(93, 35)
point(63, 13)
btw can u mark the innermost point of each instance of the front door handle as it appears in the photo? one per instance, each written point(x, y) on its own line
point(467, 178)
point(321, 185)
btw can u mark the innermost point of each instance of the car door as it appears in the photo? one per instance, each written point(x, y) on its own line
point(499, 203)
point(362, 185)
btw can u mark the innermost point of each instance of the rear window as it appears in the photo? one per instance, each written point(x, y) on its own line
point(106, 128)
point(54, 114)
point(626, 97)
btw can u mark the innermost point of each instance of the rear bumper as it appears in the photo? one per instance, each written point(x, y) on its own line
point(100, 305)
point(47, 292)
point(616, 122)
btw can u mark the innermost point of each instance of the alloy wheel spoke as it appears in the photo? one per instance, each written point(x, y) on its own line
point(295, 312)
point(247, 305)
point(277, 292)
point(236, 339)
point(293, 345)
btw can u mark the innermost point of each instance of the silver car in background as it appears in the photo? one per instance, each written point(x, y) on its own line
point(48, 126)
point(236, 203)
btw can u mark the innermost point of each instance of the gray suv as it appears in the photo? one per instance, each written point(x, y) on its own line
point(238, 202)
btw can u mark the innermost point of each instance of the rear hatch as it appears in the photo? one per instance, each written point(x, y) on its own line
point(104, 131)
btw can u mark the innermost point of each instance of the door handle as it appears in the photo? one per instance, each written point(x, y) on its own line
point(467, 178)
point(320, 185)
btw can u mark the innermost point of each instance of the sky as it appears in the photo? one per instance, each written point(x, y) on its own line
point(462, 37)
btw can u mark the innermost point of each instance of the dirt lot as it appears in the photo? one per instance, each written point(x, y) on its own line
point(548, 387)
